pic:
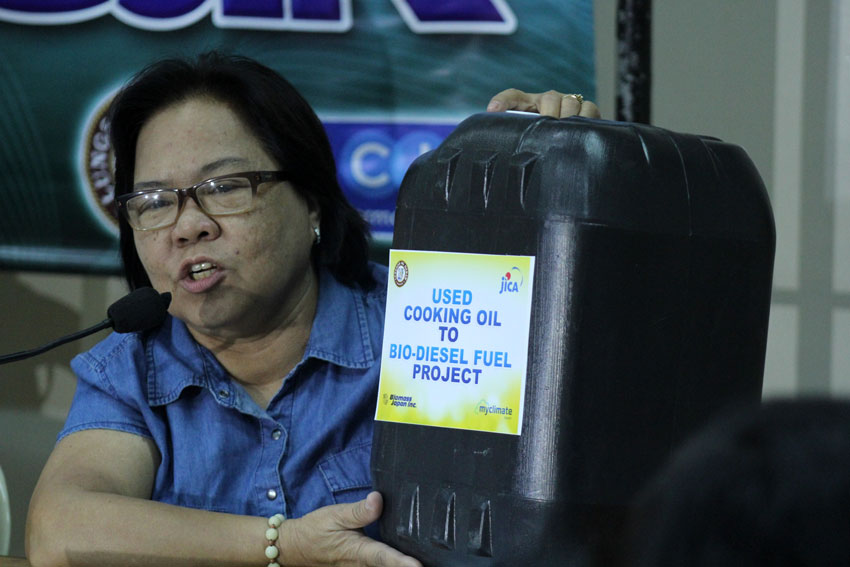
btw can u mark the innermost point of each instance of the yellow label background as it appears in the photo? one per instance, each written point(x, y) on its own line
point(447, 404)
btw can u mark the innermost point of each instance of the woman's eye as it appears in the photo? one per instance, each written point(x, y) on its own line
point(153, 204)
point(228, 185)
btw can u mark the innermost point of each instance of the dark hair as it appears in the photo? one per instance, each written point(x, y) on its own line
point(282, 120)
point(767, 486)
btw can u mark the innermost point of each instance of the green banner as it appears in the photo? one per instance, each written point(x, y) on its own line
point(389, 78)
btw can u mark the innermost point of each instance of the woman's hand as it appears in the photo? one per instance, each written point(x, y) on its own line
point(550, 103)
point(333, 536)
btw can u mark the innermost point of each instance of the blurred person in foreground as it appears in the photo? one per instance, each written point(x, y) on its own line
point(761, 486)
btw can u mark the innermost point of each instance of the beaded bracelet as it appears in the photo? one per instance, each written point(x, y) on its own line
point(271, 535)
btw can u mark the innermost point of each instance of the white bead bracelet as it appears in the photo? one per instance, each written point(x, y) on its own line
point(271, 535)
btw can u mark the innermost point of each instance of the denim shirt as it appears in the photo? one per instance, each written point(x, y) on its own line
point(220, 451)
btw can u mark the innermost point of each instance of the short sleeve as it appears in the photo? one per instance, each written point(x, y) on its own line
point(111, 392)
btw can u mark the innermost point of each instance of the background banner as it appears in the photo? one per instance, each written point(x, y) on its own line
point(389, 79)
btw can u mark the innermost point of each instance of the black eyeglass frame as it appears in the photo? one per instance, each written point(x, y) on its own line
point(253, 177)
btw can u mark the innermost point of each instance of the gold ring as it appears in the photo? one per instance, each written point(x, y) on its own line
point(578, 97)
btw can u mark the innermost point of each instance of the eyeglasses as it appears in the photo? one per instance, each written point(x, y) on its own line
point(222, 195)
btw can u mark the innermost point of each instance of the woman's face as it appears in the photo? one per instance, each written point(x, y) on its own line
point(229, 276)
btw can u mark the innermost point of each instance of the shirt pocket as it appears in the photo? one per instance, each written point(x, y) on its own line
point(347, 474)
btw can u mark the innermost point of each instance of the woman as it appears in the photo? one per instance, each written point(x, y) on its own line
point(256, 396)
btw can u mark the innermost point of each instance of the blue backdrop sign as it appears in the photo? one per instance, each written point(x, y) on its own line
point(389, 78)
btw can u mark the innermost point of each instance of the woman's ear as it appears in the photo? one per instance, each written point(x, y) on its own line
point(315, 215)
point(315, 218)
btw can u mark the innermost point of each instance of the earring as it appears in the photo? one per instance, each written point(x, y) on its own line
point(318, 234)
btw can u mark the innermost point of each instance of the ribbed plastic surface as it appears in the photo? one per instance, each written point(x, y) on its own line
point(654, 258)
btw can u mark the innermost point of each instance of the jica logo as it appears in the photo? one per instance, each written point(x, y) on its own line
point(511, 281)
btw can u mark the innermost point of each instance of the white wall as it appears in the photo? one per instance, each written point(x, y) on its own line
point(769, 76)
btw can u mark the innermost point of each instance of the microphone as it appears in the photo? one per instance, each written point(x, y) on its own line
point(140, 310)
point(143, 309)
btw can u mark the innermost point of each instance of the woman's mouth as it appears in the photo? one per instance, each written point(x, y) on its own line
point(202, 270)
point(201, 276)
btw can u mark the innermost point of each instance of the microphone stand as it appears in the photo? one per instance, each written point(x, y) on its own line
point(142, 309)
point(105, 324)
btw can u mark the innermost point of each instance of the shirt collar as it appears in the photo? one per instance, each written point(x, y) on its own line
point(342, 334)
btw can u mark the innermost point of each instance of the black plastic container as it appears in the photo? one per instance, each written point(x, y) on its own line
point(654, 259)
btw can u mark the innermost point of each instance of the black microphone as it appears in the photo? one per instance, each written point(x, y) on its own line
point(140, 310)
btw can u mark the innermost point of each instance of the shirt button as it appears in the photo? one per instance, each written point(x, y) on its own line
point(276, 434)
point(271, 494)
point(224, 393)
